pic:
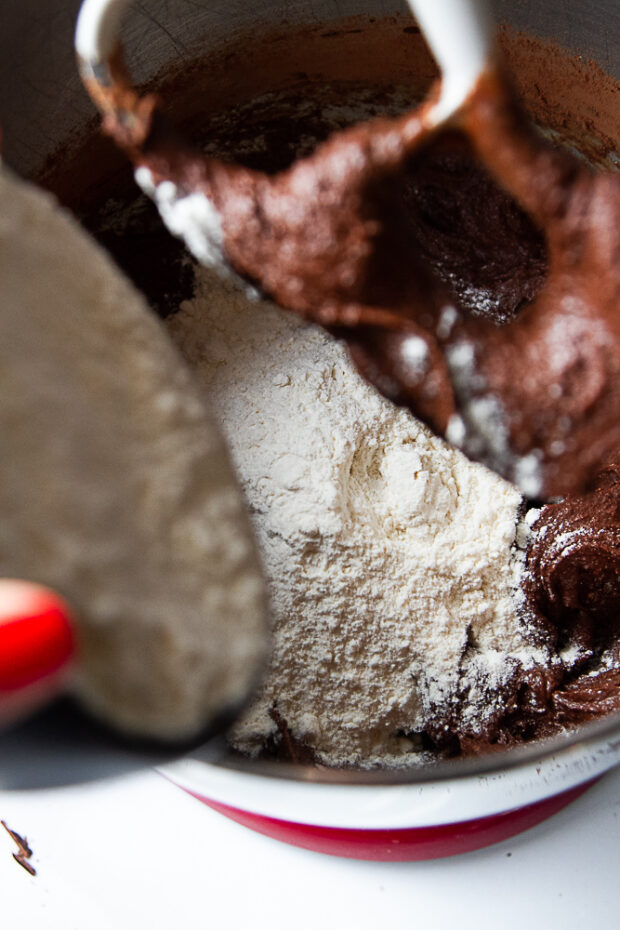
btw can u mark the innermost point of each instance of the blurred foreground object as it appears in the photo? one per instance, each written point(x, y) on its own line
point(115, 486)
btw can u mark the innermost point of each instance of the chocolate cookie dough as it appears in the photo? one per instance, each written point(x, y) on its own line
point(455, 248)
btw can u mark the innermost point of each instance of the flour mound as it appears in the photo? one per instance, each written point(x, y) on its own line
point(390, 558)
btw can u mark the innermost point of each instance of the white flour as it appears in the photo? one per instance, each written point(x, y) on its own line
point(389, 556)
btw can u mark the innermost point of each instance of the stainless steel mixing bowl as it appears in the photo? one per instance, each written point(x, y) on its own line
point(42, 106)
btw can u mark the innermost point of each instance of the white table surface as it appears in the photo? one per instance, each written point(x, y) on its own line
point(137, 852)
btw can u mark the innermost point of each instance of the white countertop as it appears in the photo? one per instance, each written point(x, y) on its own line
point(137, 852)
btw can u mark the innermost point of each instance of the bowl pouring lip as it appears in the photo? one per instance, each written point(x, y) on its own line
point(604, 732)
point(449, 792)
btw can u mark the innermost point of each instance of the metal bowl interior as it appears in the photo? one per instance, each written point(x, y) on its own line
point(44, 107)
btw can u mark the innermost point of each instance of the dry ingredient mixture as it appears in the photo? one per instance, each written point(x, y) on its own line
point(391, 560)
point(417, 607)
point(396, 568)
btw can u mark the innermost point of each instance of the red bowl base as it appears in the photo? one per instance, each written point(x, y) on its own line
point(403, 845)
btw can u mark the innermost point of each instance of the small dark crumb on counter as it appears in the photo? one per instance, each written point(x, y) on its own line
point(24, 851)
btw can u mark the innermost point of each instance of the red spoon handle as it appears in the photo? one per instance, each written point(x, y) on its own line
point(36, 644)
